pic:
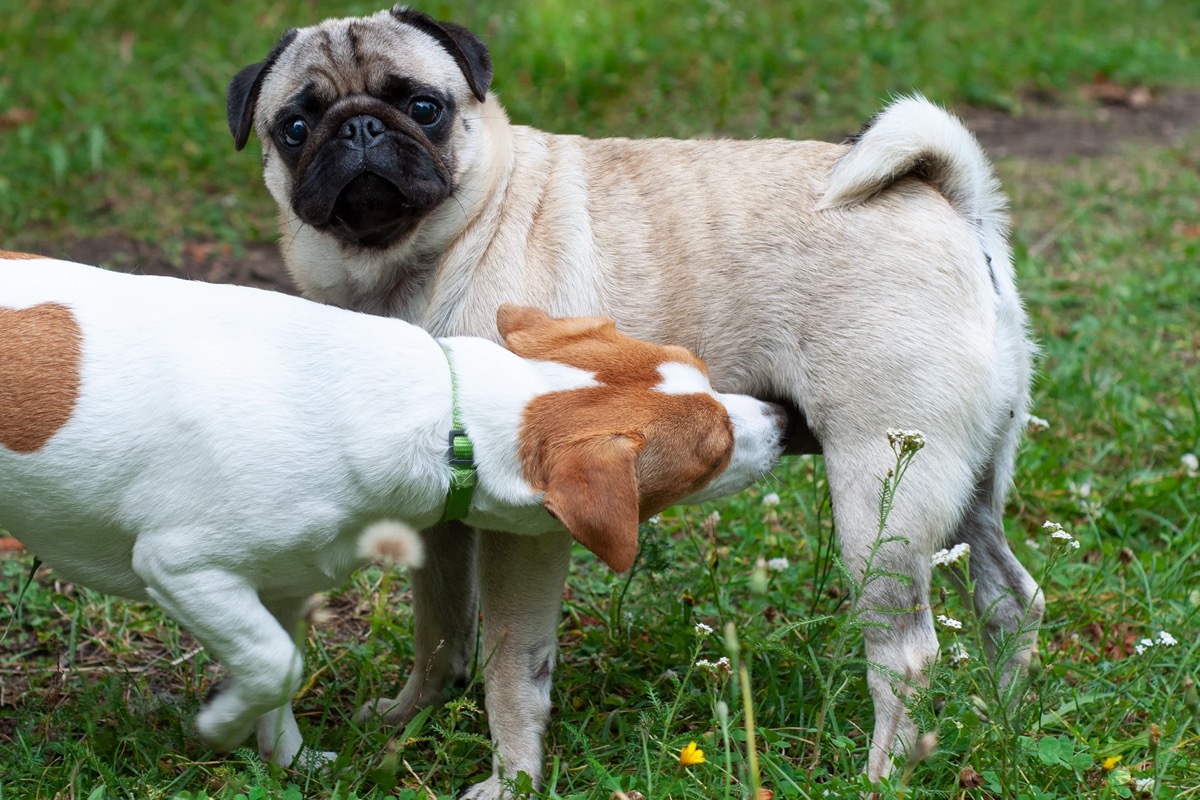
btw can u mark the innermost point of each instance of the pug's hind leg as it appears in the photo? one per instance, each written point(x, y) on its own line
point(891, 571)
point(1008, 600)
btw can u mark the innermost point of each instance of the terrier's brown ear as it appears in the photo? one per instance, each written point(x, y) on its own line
point(531, 333)
point(592, 491)
point(511, 319)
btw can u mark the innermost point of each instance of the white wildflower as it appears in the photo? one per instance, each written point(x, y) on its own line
point(1166, 639)
point(949, 622)
point(714, 517)
point(944, 558)
point(904, 442)
point(702, 629)
point(1143, 646)
point(777, 564)
point(1057, 532)
point(720, 665)
point(1082, 494)
point(1191, 463)
point(1035, 422)
point(957, 654)
point(771, 500)
point(1143, 784)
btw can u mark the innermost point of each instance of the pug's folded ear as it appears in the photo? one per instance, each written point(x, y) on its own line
point(241, 97)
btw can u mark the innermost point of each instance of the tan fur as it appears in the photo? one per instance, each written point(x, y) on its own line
point(40, 358)
point(6, 255)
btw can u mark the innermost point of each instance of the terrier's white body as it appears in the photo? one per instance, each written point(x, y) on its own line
point(219, 450)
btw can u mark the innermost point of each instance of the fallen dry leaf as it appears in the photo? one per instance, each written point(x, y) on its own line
point(16, 117)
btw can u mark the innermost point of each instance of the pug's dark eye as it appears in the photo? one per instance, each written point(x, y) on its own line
point(294, 132)
point(424, 111)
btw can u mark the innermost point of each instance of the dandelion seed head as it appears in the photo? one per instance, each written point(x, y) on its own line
point(1143, 784)
point(392, 542)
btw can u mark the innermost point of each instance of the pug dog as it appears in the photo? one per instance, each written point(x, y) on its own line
point(868, 286)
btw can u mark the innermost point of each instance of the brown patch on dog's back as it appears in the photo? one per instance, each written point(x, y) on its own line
point(7, 256)
point(40, 360)
point(592, 344)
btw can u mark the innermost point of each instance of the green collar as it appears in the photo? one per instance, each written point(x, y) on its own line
point(462, 457)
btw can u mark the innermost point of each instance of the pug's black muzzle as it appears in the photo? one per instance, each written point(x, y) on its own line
point(369, 184)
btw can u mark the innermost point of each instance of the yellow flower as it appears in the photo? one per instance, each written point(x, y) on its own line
point(691, 755)
point(1111, 762)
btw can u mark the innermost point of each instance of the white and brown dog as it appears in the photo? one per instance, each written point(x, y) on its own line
point(219, 450)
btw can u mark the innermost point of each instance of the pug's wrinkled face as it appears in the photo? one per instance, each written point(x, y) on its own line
point(361, 121)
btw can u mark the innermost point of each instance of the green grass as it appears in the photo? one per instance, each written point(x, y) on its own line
point(128, 133)
point(97, 695)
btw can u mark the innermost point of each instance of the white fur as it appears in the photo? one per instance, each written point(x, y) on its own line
point(681, 379)
point(229, 446)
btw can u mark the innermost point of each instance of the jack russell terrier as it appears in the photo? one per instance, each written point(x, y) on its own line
point(219, 450)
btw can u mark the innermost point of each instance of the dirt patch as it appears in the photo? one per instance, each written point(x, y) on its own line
point(1118, 116)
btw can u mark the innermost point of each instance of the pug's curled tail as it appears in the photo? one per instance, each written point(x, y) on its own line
point(912, 136)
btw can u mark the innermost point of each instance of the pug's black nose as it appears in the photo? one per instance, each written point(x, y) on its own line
point(362, 131)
